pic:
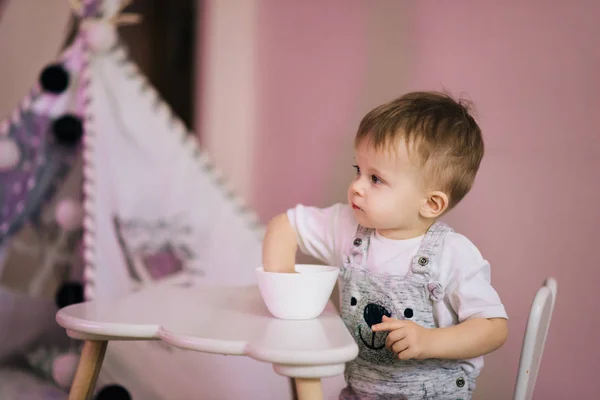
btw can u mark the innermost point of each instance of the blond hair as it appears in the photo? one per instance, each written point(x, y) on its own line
point(447, 140)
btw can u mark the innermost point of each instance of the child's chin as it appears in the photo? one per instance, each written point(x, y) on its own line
point(362, 219)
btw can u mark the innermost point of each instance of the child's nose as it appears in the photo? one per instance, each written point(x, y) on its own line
point(357, 187)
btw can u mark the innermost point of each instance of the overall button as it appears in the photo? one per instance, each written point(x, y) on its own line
point(357, 242)
point(423, 261)
point(460, 382)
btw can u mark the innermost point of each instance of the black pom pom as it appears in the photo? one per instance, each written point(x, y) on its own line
point(113, 392)
point(68, 130)
point(69, 293)
point(54, 79)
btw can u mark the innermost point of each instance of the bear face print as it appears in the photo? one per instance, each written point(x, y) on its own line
point(366, 299)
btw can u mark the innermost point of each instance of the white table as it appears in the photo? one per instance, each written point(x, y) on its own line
point(214, 319)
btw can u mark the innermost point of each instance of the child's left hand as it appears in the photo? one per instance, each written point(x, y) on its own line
point(407, 339)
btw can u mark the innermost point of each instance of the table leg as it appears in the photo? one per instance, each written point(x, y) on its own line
point(309, 389)
point(88, 369)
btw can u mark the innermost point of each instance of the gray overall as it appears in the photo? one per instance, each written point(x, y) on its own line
point(366, 297)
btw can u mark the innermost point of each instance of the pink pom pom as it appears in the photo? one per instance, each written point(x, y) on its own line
point(63, 369)
point(68, 214)
point(9, 154)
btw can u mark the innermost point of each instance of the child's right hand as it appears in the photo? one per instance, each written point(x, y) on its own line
point(407, 339)
point(279, 246)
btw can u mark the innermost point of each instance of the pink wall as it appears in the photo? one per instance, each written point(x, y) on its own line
point(310, 74)
point(532, 70)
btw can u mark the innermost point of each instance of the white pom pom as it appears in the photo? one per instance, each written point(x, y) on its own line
point(68, 214)
point(63, 369)
point(101, 35)
point(9, 154)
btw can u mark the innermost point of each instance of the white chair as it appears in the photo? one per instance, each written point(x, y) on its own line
point(535, 339)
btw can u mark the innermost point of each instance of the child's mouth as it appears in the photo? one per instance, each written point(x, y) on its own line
point(355, 207)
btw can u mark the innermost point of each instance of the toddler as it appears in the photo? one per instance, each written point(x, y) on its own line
point(416, 296)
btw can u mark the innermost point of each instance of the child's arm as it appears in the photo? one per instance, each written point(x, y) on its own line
point(483, 325)
point(471, 338)
point(279, 245)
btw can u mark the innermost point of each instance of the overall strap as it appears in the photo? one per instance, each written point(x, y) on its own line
point(357, 255)
point(425, 263)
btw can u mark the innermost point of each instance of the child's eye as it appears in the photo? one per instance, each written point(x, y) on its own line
point(375, 179)
point(357, 168)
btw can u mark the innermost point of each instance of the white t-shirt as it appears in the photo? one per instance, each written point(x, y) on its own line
point(328, 233)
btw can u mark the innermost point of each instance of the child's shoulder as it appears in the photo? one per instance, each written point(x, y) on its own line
point(340, 212)
point(457, 242)
point(338, 216)
point(346, 222)
point(345, 213)
point(461, 252)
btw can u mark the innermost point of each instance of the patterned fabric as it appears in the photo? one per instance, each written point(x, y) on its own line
point(43, 162)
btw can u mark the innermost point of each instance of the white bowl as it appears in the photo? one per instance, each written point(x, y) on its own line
point(303, 295)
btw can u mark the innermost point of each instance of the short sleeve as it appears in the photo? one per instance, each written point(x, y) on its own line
point(320, 232)
point(469, 290)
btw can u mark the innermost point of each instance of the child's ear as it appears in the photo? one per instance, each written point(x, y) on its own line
point(434, 205)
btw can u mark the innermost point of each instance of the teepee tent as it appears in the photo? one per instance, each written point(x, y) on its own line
point(156, 211)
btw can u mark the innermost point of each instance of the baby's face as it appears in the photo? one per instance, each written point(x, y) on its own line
point(386, 193)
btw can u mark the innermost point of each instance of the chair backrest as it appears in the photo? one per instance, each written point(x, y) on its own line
point(535, 339)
